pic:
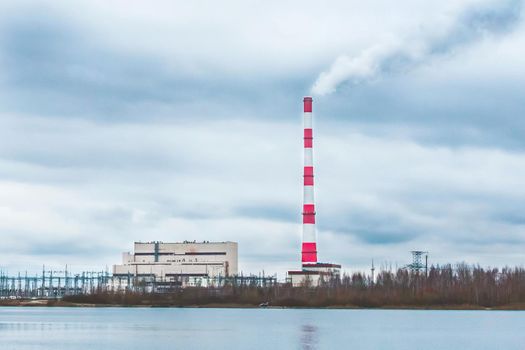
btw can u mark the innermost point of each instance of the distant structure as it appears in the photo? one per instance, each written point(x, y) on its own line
point(51, 284)
point(312, 271)
point(417, 261)
point(373, 269)
point(176, 264)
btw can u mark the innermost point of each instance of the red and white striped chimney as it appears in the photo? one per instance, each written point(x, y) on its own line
point(309, 246)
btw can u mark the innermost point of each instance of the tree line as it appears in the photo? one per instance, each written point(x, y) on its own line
point(447, 286)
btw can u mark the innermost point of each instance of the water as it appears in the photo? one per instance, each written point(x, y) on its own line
point(156, 328)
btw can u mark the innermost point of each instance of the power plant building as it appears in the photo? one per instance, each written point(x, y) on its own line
point(182, 264)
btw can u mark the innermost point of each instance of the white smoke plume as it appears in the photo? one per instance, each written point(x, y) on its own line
point(475, 23)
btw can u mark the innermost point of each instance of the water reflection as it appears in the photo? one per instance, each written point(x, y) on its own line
point(308, 337)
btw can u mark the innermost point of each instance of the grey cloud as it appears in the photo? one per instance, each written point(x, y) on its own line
point(382, 236)
point(477, 22)
point(270, 211)
point(72, 248)
point(38, 245)
point(507, 211)
point(54, 67)
point(115, 216)
point(512, 217)
point(496, 18)
point(456, 113)
point(371, 227)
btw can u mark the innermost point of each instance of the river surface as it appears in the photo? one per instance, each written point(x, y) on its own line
point(24, 328)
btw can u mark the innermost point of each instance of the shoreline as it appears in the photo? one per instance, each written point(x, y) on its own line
point(59, 303)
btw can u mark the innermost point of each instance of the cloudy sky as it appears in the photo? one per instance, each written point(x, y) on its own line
point(127, 120)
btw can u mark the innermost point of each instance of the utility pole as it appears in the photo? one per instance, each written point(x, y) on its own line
point(426, 265)
point(417, 264)
point(373, 270)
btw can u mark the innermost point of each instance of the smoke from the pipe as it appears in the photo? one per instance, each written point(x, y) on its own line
point(475, 23)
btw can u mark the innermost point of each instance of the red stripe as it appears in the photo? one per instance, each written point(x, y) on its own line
point(307, 104)
point(309, 247)
point(309, 252)
point(309, 257)
point(309, 208)
point(308, 142)
point(308, 214)
point(308, 218)
point(308, 171)
point(308, 180)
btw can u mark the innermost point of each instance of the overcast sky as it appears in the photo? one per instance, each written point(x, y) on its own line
point(125, 121)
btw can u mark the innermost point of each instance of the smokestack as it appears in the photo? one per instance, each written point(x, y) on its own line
point(312, 272)
point(309, 246)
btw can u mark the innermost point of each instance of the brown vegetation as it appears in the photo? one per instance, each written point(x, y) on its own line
point(442, 287)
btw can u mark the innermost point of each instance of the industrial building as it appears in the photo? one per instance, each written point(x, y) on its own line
point(312, 272)
point(161, 264)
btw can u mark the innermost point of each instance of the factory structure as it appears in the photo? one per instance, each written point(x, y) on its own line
point(159, 264)
point(312, 272)
point(196, 264)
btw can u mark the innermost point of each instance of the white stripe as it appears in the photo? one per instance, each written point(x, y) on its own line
point(308, 233)
point(308, 195)
point(308, 157)
point(307, 120)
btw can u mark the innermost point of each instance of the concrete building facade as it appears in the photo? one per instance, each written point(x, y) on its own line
point(183, 263)
point(314, 275)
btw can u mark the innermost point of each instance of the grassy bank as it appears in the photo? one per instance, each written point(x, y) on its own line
point(62, 303)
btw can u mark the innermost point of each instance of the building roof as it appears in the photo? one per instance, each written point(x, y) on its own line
point(302, 272)
point(322, 265)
